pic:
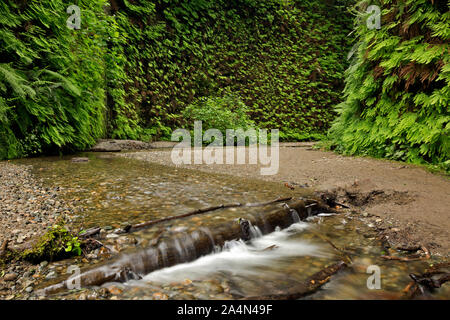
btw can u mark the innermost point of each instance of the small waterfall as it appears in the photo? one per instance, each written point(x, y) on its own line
point(309, 209)
point(202, 243)
point(189, 246)
point(255, 232)
point(242, 258)
point(209, 234)
point(162, 247)
point(295, 216)
point(180, 250)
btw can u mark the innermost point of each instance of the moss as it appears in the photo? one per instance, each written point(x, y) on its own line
point(52, 246)
point(7, 257)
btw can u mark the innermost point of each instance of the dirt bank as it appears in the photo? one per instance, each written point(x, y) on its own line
point(408, 204)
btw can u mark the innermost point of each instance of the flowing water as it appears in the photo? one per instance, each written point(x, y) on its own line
point(111, 192)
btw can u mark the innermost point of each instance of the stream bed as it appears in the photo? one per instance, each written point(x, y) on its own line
point(112, 192)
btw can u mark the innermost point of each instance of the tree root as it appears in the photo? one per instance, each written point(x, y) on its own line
point(432, 279)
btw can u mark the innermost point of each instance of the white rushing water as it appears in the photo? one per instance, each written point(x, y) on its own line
point(240, 258)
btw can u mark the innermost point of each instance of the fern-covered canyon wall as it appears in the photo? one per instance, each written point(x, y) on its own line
point(134, 66)
point(52, 79)
point(139, 69)
point(398, 86)
point(284, 59)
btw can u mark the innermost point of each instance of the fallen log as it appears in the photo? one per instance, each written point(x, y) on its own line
point(309, 286)
point(202, 211)
point(90, 232)
point(182, 248)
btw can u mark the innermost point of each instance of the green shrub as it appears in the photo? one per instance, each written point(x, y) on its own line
point(221, 113)
point(228, 112)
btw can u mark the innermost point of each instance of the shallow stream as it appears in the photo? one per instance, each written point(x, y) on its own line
point(112, 192)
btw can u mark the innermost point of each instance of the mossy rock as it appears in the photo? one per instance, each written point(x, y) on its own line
point(51, 246)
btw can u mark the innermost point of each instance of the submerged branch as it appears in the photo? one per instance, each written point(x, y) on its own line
point(311, 285)
point(413, 258)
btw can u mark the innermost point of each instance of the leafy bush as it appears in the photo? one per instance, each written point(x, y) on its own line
point(228, 112)
point(398, 86)
point(221, 113)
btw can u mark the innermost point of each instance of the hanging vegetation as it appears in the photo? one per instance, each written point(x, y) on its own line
point(52, 78)
point(398, 86)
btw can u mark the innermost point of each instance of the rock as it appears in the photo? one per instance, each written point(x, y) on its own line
point(114, 290)
point(112, 236)
point(160, 296)
point(91, 256)
point(80, 159)
point(10, 276)
point(119, 145)
point(82, 296)
point(29, 289)
point(50, 275)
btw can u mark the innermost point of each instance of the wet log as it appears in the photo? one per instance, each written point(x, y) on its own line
point(202, 211)
point(309, 286)
point(184, 248)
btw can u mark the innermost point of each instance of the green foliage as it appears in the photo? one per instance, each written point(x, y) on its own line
point(57, 243)
point(398, 86)
point(221, 113)
point(51, 78)
point(134, 66)
point(73, 246)
point(285, 59)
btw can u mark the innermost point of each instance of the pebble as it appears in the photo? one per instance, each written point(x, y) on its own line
point(82, 296)
point(114, 290)
point(50, 275)
point(10, 276)
point(29, 289)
